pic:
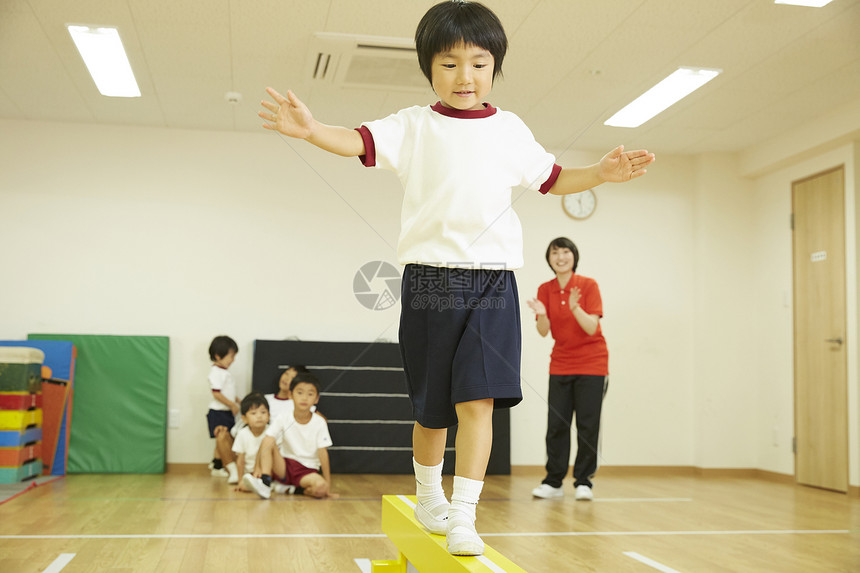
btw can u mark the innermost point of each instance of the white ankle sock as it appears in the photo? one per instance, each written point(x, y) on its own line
point(428, 486)
point(464, 499)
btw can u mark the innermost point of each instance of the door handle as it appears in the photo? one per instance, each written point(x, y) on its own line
point(835, 340)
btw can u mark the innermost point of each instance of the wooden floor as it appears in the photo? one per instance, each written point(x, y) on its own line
point(187, 521)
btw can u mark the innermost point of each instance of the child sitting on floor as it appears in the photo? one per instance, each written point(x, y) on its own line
point(302, 459)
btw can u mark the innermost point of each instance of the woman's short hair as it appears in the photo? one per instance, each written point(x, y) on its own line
point(563, 243)
point(453, 21)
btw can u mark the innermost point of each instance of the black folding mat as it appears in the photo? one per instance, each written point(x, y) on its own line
point(365, 401)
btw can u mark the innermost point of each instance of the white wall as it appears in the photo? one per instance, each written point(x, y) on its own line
point(191, 234)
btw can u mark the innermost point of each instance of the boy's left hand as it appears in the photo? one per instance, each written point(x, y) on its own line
point(618, 165)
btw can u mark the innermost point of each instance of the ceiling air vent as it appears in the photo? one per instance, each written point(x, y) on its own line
point(370, 62)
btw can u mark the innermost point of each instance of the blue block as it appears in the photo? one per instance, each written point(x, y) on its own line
point(16, 439)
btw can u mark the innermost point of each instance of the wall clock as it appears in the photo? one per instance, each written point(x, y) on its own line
point(579, 205)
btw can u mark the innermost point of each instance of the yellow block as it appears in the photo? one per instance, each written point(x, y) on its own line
point(20, 419)
point(429, 553)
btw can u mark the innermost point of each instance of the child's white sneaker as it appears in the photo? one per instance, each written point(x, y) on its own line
point(256, 485)
point(462, 537)
point(436, 522)
point(584, 493)
point(279, 487)
point(220, 473)
point(546, 491)
point(232, 473)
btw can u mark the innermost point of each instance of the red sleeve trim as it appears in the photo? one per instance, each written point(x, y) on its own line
point(369, 157)
point(216, 390)
point(553, 176)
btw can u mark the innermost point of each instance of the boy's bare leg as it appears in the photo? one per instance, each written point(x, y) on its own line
point(428, 444)
point(473, 445)
point(224, 444)
point(474, 438)
point(271, 461)
point(314, 485)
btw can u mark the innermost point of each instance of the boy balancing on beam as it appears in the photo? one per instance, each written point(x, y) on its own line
point(458, 161)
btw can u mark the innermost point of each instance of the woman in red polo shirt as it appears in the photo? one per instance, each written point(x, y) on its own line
point(569, 307)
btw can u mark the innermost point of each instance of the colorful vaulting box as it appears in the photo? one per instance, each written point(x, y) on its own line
point(21, 369)
point(20, 413)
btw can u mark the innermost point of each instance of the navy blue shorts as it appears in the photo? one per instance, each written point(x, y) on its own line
point(219, 418)
point(460, 340)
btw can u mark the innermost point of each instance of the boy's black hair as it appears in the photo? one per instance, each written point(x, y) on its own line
point(563, 243)
point(448, 23)
point(221, 345)
point(253, 400)
point(306, 378)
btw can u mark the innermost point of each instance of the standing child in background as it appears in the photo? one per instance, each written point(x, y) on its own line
point(279, 402)
point(223, 407)
point(255, 415)
point(460, 240)
point(302, 458)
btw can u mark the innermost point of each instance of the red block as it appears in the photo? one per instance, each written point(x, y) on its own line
point(20, 400)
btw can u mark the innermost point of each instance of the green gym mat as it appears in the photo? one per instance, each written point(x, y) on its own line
point(119, 421)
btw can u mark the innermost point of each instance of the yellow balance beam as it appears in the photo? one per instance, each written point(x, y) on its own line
point(426, 552)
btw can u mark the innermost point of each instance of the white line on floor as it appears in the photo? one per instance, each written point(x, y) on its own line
point(364, 565)
point(650, 562)
point(381, 535)
point(641, 499)
point(60, 562)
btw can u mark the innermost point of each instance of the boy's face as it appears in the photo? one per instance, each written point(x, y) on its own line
point(225, 361)
point(257, 417)
point(463, 76)
point(305, 395)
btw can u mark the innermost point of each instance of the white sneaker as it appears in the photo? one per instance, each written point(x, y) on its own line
point(462, 537)
point(256, 485)
point(546, 491)
point(232, 473)
point(433, 524)
point(279, 487)
point(584, 493)
point(220, 472)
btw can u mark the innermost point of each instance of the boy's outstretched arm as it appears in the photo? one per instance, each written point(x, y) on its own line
point(291, 117)
point(617, 166)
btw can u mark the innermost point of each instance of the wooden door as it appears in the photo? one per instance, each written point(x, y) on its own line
point(820, 384)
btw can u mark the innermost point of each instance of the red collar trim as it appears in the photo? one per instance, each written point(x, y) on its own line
point(463, 113)
point(281, 399)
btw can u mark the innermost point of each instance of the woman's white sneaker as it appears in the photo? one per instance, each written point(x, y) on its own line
point(546, 491)
point(584, 493)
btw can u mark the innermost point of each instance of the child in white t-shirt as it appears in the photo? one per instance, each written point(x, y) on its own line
point(279, 402)
point(255, 415)
point(459, 161)
point(223, 408)
point(293, 451)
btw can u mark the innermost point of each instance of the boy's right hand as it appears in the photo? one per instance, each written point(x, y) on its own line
point(287, 115)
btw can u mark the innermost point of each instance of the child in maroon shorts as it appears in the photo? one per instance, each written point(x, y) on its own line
point(302, 459)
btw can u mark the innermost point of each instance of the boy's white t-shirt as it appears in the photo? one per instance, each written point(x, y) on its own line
point(248, 444)
point(458, 170)
point(220, 380)
point(300, 442)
